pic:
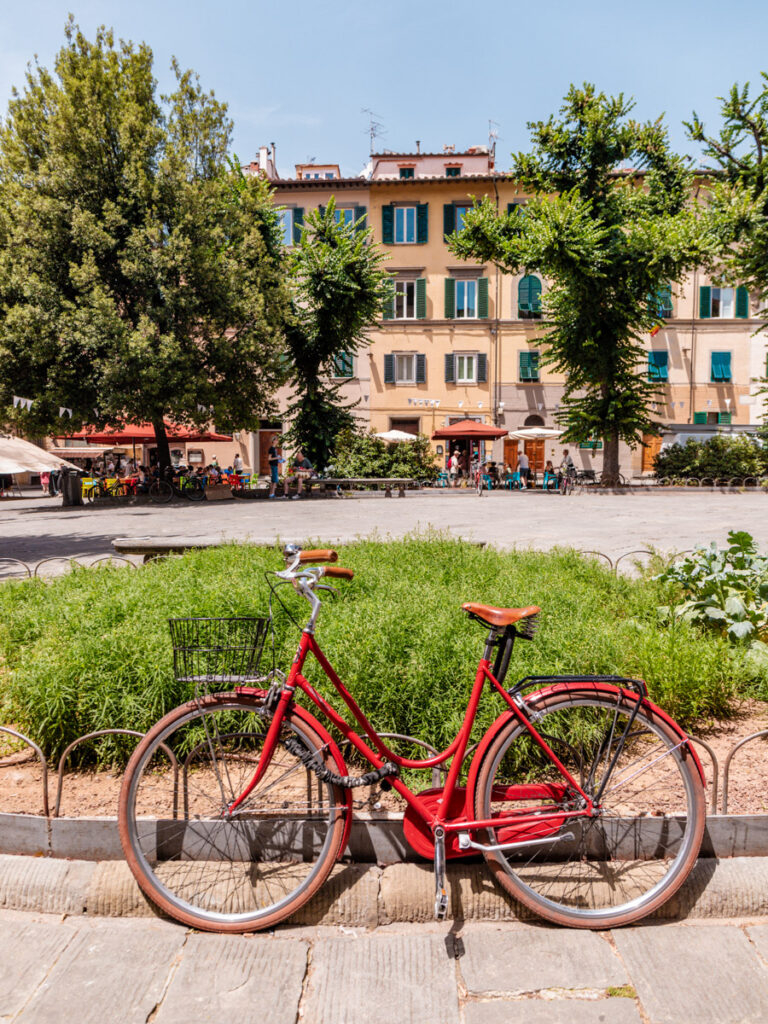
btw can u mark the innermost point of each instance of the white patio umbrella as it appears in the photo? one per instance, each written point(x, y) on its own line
point(534, 433)
point(396, 435)
point(18, 456)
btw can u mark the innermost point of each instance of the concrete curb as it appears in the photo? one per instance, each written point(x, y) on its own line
point(366, 896)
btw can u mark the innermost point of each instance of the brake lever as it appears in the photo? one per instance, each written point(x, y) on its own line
point(326, 586)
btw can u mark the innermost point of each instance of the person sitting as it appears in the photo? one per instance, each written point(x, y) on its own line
point(302, 470)
point(550, 477)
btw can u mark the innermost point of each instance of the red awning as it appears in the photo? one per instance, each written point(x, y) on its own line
point(470, 430)
point(144, 433)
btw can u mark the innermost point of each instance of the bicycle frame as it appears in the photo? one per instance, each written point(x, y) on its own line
point(456, 750)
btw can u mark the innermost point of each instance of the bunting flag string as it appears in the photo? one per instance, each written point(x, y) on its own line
point(24, 403)
point(63, 409)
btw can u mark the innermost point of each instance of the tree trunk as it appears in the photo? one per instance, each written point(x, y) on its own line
point(610, 476)
point(163, 448)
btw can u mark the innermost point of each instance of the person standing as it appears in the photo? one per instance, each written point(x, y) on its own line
point(237, 465)
point(523, 468)
point(453, 469)
point(273, 457)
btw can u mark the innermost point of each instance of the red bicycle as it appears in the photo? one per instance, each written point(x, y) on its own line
point(585, 799)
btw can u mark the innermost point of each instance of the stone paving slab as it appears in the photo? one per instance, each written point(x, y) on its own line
point(27, 950)
point(690, 975)
point(112, 972)
point(238, 979)
point(759, 935)
point(378, 978)
point(517, 959)
point(555, 1011)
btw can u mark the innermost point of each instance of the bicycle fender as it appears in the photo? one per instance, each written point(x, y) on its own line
point(308, 719)
point(537, 695)
point(610, 689)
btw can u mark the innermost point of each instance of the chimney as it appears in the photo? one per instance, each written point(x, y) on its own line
point(418, 146)
point(263, 154)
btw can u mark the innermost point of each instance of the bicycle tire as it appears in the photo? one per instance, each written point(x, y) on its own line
point(160, 490)
point(255, 868)
point(194, 492)
point(615, 869)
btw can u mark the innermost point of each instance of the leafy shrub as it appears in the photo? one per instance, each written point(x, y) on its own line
point(725, 590)
point(359, 454)
point(91, 649)
point(722, 456)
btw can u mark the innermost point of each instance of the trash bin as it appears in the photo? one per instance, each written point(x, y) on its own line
point(71, 487)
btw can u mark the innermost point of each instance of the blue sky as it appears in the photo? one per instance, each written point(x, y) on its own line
point(299, 74)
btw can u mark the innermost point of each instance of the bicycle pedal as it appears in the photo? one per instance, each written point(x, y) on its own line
point(441, 905)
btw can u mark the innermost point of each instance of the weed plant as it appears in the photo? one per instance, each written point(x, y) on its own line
point(91, 649)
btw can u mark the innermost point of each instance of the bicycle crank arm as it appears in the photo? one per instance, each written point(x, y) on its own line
point(465, 843)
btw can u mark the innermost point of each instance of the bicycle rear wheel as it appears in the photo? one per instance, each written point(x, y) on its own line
point(161, 491)
point(616, 867)
point(209, 869)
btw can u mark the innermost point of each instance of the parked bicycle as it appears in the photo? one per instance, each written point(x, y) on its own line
point(106, 488)
point(192, 488)
point(585, 799)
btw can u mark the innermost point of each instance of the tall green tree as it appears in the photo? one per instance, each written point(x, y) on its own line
point(338, 289)
point(609, 225)
point(738, 206)
point(141, 275)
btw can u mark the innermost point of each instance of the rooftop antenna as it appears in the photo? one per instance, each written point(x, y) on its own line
point(493, 135)
point(375, 127)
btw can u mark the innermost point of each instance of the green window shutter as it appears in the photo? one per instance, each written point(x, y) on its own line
point(742, 302)
point(482, 368)
point(421, 368)
point(658, 365)
point(449, 219)
point(450, 368)
point(422, 223)
point(529, 366)
point(343, 365)
point(534, 293)
point(705, 302)
point(699, 417)
point(721, 366)
point(388, 225)
point(298, 221)
point(450, 298)
point(664, 297)
point(360, 213)
point(482, 298)
point(389, 369)
point(534, 365)
point(724, 417)
point(421, 298)
point(524, 295)
point(388, 309)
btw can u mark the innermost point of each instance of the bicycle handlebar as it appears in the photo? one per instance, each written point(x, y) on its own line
point(339, 572)
point(319, 555)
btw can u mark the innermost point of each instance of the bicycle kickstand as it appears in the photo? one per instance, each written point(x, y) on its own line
point(441, 896)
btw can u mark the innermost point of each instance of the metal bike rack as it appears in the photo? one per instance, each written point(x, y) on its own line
point(40, 757)
point(729, 758)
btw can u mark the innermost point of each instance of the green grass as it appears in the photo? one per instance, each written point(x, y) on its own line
point(91, 649)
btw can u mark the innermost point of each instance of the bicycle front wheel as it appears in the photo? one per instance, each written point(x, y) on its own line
point(214, 870)
point(630, 858)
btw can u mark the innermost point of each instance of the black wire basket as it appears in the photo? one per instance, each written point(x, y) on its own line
point(217, 650)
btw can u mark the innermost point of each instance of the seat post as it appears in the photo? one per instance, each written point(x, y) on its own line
point(490, 643)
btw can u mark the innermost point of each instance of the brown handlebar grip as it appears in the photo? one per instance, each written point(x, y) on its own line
point(320, 555)
point(339, 572)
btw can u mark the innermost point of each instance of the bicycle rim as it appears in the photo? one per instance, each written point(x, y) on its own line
point(212, 871)
point(611, 869)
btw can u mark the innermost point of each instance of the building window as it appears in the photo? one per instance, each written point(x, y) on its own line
point(658, 366)
point(460, 213)
point(711, 418)
point(529, 298)
point(466, 299)
point(720, 368)
point(344, 365)
point(345, 217)
point(723, 303)
point(529, 367)
point(291, 221)
point(453, 172)
point(453, 217)
point(405, 300)
point(466, 369)
point(661, 302)
point(405, 224)
point(405, 368)
point(407, 172)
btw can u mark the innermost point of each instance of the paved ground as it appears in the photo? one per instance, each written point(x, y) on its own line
point(56, 970)
point(40, 528)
